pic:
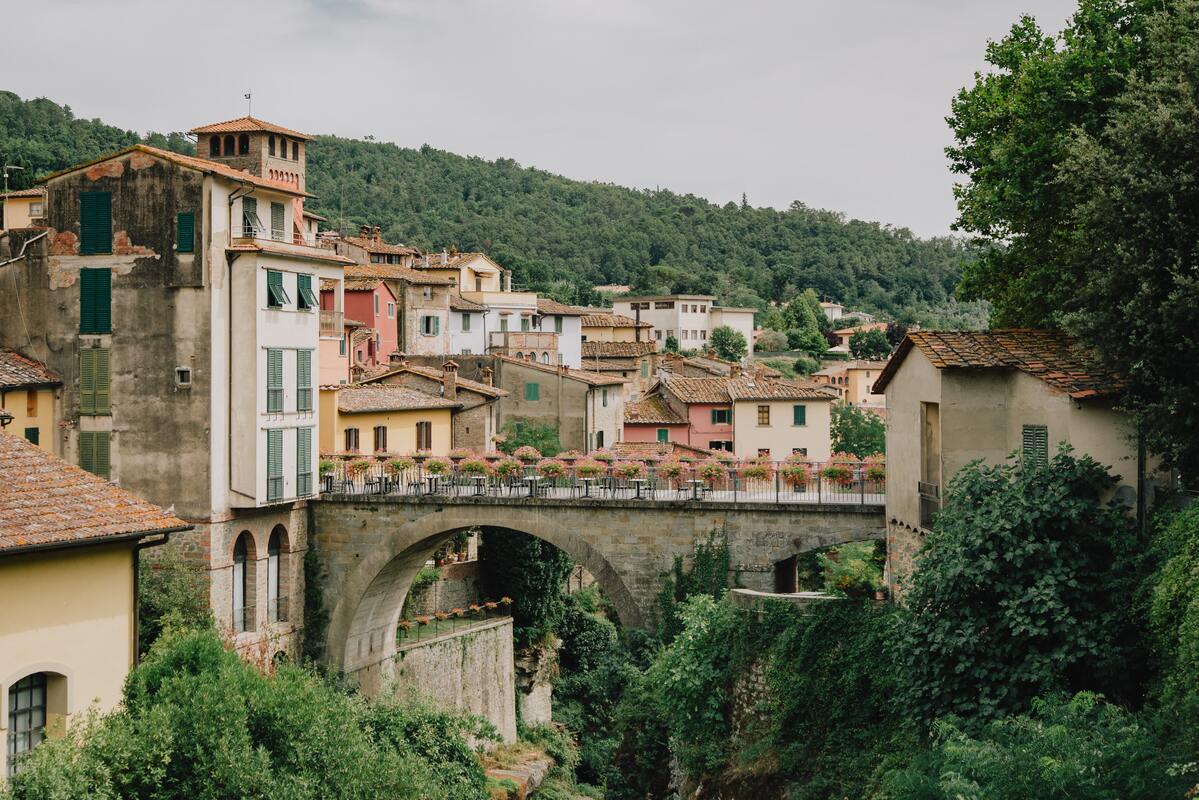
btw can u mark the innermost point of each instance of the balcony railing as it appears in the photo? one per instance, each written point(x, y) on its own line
point(277, 235)
point(332, 323)
point(523, 340)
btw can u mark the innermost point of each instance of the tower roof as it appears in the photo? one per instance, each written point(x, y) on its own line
point(249, 125)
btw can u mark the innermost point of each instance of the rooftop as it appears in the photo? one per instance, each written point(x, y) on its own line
point(20, 372)
point(746, 387)
point(286, 249)
point(591, 378)
point(652, 411)
point(396, 273)
point(548, 306)
point(709, 297)
point(36, 191)
point(838, 368)
point(46, 502)
point(617, 349)
point(248, 125)
point(439, 375)
point(367, 397)
point(658, 449)
point(610, 320)
point(372, 245)
point(1050, 356)
point(460, 303)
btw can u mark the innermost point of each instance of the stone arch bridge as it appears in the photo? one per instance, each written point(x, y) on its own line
point(372, 547)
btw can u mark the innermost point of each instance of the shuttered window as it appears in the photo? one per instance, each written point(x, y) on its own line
point(303, 462)
point(1036, 445)
point(645, 368)
point(95, 300)
point(720, 416)
point(95, 382)
point(430, 325)
point(305, 298)
point(274, 465)
point(380, 438)
point(185, 232)
point(351, 440)
point(274, 381)
point(799, 415)
point(532, 391)
point(465, 323)
point(33, 435)
point(424, 436)
point(249, 217)
point(95, 222)
point(303, 380)
point(276, 297)
point(663, 434)
point(277, 221)
point(94, 455)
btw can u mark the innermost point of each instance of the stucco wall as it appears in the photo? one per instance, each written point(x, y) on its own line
point(44, 417)
point(781, 436)
point(401, 430)
point(469, 670)
point(69, 613)
point(703, 430)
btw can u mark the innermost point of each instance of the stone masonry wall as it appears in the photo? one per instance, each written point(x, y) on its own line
point(469, 670)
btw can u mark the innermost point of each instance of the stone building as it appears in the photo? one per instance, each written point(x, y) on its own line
point(369, 248)
point(421, 323)
point(636, 361)
point(187, 335)
point(587, 408)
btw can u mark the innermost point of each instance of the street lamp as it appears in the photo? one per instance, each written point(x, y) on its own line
point(7, 168)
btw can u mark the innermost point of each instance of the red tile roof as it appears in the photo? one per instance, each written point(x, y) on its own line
point(372, 245)
point(249, 125)
point(46, 502)
point(659, 449)
point(364, 398)
point(607, 320)
point(553, 307)
point(652, 411)
point(460, 303)
point(286, 249)
point(19, 372)
point(618, 349)
point(396, 273)
point(36, 191)
point(591, 378)
point(697, 390)
point(362, 284)
point(1050, 356)
point(438, 375)
point(747, 387)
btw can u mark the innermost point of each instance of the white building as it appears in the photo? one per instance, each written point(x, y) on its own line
point(689, 318)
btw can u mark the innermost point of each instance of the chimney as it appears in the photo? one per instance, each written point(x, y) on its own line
point(488, 374)
point(398, 359)
point(637, 322)
point(507, 280)
point(449, 380)
point(365, 230)
point(734, 370)
point(378, 234)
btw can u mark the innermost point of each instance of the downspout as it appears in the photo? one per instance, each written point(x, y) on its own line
point(137, 571)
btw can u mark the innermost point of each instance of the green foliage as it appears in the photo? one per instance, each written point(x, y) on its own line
point(707, 575)
point(316, 616)
point(870, 344)
point(198, 722)
point(857, 432)
point(729, 344)
point(644, 748)
point(1065, 749)
point(520, 432)
point(853, 570)
point(1024, 587)
point(172, 592)
point(531, 572)
point(771, 342)
point(1174, 621)
point(672, 345)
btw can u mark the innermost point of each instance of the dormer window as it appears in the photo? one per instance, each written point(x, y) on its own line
point(229, 145)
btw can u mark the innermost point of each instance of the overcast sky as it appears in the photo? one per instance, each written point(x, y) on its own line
point(837, 103)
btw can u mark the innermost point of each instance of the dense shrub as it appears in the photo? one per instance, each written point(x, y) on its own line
point(1174, 618)
point(171, 592)
point(707, 574)
point(1023, 588)
point(531, 572)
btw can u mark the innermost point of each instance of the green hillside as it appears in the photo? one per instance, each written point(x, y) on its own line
point(561, 236)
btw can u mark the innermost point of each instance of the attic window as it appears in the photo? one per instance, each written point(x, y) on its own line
point(183, 377)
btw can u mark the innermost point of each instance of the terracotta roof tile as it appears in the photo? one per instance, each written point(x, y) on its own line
point(44, 501)
point(658, 449)
point(372, 245)
point(1050, 356)
point(652, 411)
point(697, 390)
point(286, 249)
point(36, 191)
point(618, 349)
point(592, 378)
point(17, 371)
point(609, 320)
point(361, 398)
point(435, 374)
point(362, 284)
point(548, 306)
point(395, 272)
point(460, 303)
point(752, 388)
point(248, 125)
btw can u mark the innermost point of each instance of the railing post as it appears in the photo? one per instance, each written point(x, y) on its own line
point(819, 487)
point(776, 482)
point(862, 480)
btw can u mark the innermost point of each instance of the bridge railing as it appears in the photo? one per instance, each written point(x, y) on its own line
point(757, 481)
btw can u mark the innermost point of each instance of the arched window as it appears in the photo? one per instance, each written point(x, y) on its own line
point(295, 151)
point(545, 358)
point(276, 575)
point(26, 717)
point(520, 355)
point(243, 583)
point(214, 146)
point(282, 147)
point(229, 145)
point(243, 145)
point(270, 145)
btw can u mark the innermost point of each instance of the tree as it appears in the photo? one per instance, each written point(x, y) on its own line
point(896, 331)
point(530, 571)
point(171, 592)
point(870, 344)
point(856, 431)
point(671, 345)
point(729, 344)
point(1023, 588)
point(518, 432)
point(772, 341)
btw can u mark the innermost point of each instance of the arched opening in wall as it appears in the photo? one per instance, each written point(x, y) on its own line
point(214, 146)
point(786, 575)
point(270, 145)
point(244, 583)
point(37, 709)
point(229, 145)
point(278, 571)
point(243, 145)
point(545, 358)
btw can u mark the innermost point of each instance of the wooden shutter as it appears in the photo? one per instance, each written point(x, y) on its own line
point(94, 455)
point(95, 300)
point(33, 435)
point(274, 380)
point(276, 220)
point(436, 325)
point(799, 415)
point(663, 434)
point(249, 216)
point(1036, 445)
point(94, 382)
point(95, 222)
point(185, 232)
point(303, 461)
point(103, 381)
point(532, 391)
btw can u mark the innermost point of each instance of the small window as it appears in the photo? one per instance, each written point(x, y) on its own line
point(721, 416)
point(243, 145)
point(183, 377)
point(37, 209)
point(427, 293)
point(763, 415)
point(430, 325)
point(599, 439)
point(276, 296)
point(466, 323)
point(503, 324)
point(351, 435)
point(524, 323)
point(532, 391)
point(424, 435)
point(557, 324)
point(466, 351)
point(229, 145)
point(703, 334)
point(376, 299)
point(1036, 445)
point(799, 415)
point(295, 151)
point(33, 435)
point(604, 397)
point(380, 438)
point(26, 718)
point(303, 380)
point(341, 346)
point(305, 298)
point(277, 221)
point(243, 584)
point(185, 232)
point(799, 451)
point(545, 358)
point(663, 434)
point(270, 145)
point(391, 310)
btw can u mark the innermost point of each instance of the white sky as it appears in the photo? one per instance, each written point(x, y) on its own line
point(837, 103)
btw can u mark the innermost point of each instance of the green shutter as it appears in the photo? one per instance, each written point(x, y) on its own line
point(303, 462)
point(532, 391)
point(94, 382)
point(249, 216)
point(304, 296)
point(94, 453)
point(465, 323)
point(95, 300)
point(303, 380)
point(1036, 445)
point(185, 232)
point(663, 434)
point(95, 222)
point(436, 325)
point(274, 381)
point(274, 464)
point(715, 421)
point(799, 415)
point(276, 220)
point(645, 368)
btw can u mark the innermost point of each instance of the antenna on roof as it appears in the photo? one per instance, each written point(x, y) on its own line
point(249, 100)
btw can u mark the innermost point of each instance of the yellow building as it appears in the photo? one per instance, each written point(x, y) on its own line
point(69, 544)
point(854, 381)
point(23, 208)
point(29, 396)
point(384, 418)
point(604, 326)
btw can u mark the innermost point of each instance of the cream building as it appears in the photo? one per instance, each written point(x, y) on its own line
point(956, 396)
point(778, 419)
point(31, 396)
point(854, 381)
point(69, 544)
point(689, 318)
point(22, 208)
point(603, 326)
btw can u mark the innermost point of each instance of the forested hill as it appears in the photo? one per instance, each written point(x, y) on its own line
point(560, 236)
point(547, 227)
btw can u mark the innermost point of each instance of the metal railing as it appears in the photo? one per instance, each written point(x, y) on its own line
point(700, 481)
point(278, 235)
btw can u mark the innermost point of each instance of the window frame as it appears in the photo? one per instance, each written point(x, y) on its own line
point(94, 237)
point(276, 295)
point(764, 415)
point(532, 391)
point(306, 299)
point(303, 380)
point(31, 734)
point(799, 415)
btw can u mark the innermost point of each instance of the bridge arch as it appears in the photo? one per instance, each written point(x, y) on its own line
point(361, 638)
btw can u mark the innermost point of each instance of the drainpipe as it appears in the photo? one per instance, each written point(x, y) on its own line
point(137, 570)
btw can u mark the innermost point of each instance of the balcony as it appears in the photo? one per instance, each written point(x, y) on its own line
point(332, 323)
point(523, 342)
point(298, 244)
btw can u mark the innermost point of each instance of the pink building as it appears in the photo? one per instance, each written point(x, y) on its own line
point(653, 420)
point(370, 302)
point(692, 411)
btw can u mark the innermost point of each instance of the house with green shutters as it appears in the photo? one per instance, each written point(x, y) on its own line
point(177, 297)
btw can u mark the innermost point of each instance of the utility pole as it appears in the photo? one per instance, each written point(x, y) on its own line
point(249, 95)
point(7, 168)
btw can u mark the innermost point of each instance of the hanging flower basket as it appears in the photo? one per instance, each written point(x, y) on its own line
point(438, 466)
point(473, 466)
point(459, 453)
point(724, 457)
point(590, 468)
point(759, 469)
point(671, 469)
point(398, 466)
point(603, 455)
point(326, 466)
point(420, 456)
point(840, 469)
point(551, 468)
point(527, 454)
point(795, 473)
point(711, 471)
point(508, 468)
point(629, 470)
point(356, 469)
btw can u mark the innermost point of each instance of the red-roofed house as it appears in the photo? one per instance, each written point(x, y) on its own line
point(370, 301)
